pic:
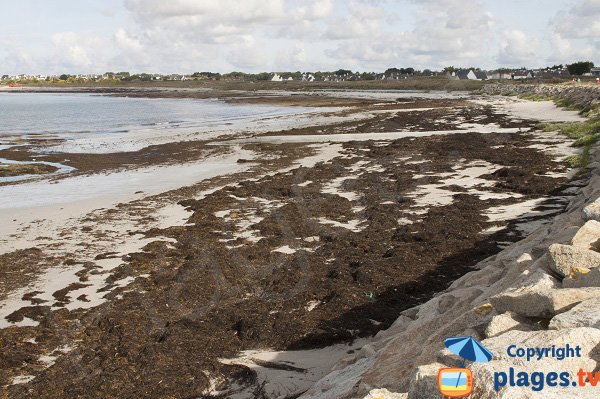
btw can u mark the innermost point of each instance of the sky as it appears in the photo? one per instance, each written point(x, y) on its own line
point(185, 36)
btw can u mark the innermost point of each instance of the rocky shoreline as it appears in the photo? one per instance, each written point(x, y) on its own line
point(578, 97)
point(539, 292)
point(322, 239)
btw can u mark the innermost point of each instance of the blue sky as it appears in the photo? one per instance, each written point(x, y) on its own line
point(93, 36)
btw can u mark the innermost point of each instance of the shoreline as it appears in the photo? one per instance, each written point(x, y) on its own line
point(495, 303)
point(249, 209)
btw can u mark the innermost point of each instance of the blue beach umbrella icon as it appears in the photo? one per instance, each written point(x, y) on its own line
point(469, 349)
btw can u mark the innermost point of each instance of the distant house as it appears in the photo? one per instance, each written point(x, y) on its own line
point(308, 77)
point(499, 75)
point(480, 75)
point(471, 74)
point(595, 71)
point(551, 73)
point(276, 78)
point(522, 75)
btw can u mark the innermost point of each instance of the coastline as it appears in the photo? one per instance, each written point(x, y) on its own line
point(296, 163)
point(405, 358)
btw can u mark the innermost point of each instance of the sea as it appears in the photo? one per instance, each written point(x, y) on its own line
point(100, 123)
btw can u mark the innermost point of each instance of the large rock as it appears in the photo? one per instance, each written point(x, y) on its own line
point(586, 314)
point(518, 299)
point(532, 302)
point(565, 258)
point(340, 383)
point(425, 383)
point(507, 322)
point(588, 236)
point(592, 211)
point(385, 394)
point(583, 278)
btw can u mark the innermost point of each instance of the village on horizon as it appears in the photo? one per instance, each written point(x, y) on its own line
point(582, 68)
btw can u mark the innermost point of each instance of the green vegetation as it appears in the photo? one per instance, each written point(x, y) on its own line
point(585, 134)
point(580, 160)
point(535, 97)
point(399, 71)
point(562, 102)
point(581, 67)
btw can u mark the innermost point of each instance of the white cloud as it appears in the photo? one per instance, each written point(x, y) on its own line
point(582, 21)
point(224, 34)
point(76, 51)
point(295, 56)
point(264, 35)
point(127, 42)
point(15, 59)
point(576, 32)
point(561, 48)
point(246, 54)
point(446, 32)
point(517, 48)
point(227, 16)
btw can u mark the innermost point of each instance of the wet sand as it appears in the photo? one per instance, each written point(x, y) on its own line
point(295, 240)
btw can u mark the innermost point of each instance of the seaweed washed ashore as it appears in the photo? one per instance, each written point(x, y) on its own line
point(302, 238)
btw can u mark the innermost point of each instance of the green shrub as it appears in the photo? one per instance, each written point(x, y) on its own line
point(587, 140)
point(534, 97)
point(579, 160)
point(585, 133)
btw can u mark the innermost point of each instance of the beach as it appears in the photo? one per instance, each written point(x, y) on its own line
point(194, 260)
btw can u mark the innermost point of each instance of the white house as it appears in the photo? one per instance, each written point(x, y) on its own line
point(522, 75)
point(471, 74)
point(276, 78)
point(499, 75)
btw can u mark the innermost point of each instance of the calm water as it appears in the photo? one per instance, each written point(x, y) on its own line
point(84, 113)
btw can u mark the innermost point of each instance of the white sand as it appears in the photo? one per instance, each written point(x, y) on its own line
point(54, 204)
point(466, 176)
point(50, 216)
point(285, 250)
point(353, 225)
point(334, 187)
point(513, 211)
point(286, 383)
point(545, 111)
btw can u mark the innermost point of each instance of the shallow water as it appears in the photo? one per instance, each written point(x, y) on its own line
point(99, 124)
point(49, 113)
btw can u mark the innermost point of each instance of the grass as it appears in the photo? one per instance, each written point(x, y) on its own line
point(580, 160)
point(564, 103)
point(584, 133)
point(559, 101)
point(534, 97)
